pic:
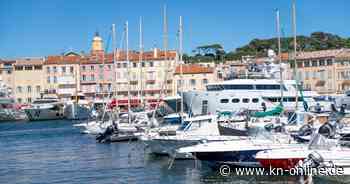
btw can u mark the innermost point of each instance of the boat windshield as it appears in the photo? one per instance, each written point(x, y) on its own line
point(183, 126)
point(319, 142)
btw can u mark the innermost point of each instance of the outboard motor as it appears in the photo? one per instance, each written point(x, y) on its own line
point(102, 137)
point(313, 160)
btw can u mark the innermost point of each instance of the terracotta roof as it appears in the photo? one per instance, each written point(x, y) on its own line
point(29, 61)
point(344, 55)
point(319, 54)
point(98, 58)
point(63, 60)
point(193, 69)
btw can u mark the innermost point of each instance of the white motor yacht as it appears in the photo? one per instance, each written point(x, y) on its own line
point(45, 109)
point(194, 130)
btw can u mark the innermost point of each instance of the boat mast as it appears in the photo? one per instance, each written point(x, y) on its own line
point(140, 91)
point(114, 63)
point(128, 67)
point(295, 54)
point(279, 51)
point(165, 45)
point(181, 64)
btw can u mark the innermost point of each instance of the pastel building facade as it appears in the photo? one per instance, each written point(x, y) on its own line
point(29, 81)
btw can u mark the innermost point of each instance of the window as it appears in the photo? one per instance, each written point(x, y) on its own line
point(322, 62)
point(71, 69)
point(329, 62)
point(92, 68)
point(125, 65)
point(28, 68)
point(143, 64)
point(38, 67)
point(224, 101)
point(235, 100)
point(29, 89)
point(193, 82)
point(255, 100)
point(237, 86)
point(109, 87)
point(306, 63)
point(38, 89)
point(84, 68)
point(29, 100)
point(54, 79)
point(48, 80)
point(19, 89)
point(84, 77)
point(92, 77)
point(205, 81)
point(314, 63)
point(245, 100)
point(54, 69)
point(268, 86)
point(63, 69)
point(300, 64)
point(134, 65)
point(205, 107)
point(109, 67)
point(19, 100)
point(18, 67)
point(151, 64)
point(118, 65)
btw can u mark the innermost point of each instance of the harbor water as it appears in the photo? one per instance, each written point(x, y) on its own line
point(55, 152)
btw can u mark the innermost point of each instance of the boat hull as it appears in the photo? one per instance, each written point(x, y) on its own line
point(43, 114)
point(76, 112)
point(244, 158)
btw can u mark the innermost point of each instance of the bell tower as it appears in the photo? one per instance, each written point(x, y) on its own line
point(97, 44)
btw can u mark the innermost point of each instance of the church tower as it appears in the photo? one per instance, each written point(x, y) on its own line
point(97, 45)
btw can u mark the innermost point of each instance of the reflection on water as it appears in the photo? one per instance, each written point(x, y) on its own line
point(55, 152)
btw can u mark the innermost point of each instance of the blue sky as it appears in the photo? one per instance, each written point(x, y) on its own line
point(49, 27)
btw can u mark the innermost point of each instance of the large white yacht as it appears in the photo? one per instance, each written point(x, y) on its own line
point(251, 94)
point(45, 109)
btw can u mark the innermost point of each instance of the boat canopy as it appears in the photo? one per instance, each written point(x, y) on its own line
point(276, 111)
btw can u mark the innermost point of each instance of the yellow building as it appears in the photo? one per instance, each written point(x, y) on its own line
point(324, 71)
point(28, 79)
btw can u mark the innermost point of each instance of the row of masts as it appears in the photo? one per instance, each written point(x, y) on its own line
point(141, 49)
point(278, 29)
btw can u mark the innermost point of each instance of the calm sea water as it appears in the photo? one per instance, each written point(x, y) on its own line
point(55, 152)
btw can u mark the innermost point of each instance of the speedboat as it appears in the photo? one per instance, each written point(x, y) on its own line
point(194, 130)
point(289, 158)
point(237, 152)
point(45, 109)
point(77, 108)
